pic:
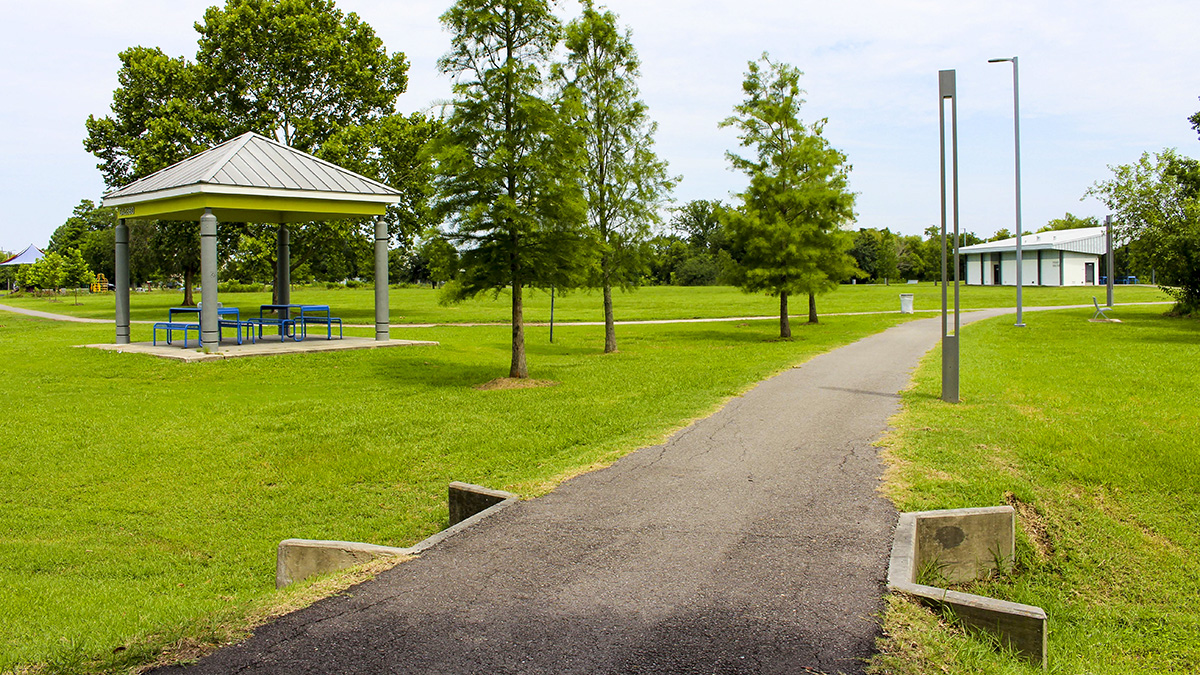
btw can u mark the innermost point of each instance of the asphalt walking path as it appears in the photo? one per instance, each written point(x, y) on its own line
point(753, 541)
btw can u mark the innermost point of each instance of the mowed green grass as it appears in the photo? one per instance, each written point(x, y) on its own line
point(142, 499)
point(420, 305)
point(1094, 429)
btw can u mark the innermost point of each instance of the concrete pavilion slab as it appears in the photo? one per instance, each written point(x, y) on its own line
point(253, 179)
point(264, 347)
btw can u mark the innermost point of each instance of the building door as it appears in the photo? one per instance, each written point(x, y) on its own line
point(996, 274)
point(1089, 273)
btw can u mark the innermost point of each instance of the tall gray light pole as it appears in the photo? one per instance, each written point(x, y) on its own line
point(1111, 266)
point(1017, 146)
point(947, 90)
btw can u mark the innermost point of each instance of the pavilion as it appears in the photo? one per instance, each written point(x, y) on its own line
point(250, 178)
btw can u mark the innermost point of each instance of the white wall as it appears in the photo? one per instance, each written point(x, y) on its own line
point(973, 278)
point(1050, 268)
point(1073, 268)
point(1072, 275)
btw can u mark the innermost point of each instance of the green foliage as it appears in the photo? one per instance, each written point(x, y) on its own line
point(49, 273)
point(624, 182)
point(297, 70)
point(392, 150)
point(1156, 201)
point(1001, 234)
point(85, 219)
point(75, 270)
point(508, 162)
point(161, 114)
point(301, 71)
point(787, 236)
point(1070, 222)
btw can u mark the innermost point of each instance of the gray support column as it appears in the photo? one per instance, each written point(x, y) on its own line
point(121, 283)
point(1111, 266)
point(381, 280)
point(283, 265)
point(209, 331)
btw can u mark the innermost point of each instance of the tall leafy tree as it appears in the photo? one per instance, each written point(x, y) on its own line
point(296, 70)
point(787, 235)
point(508, 165)
point(624, 182)
point(161, 114)
point(1156, 201)
point(299, 71)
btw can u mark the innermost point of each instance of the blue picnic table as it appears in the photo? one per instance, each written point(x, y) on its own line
point(172, 325)
point(296, 318)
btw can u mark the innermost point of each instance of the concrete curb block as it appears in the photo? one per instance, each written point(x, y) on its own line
point(984, 540)
point(298, 559)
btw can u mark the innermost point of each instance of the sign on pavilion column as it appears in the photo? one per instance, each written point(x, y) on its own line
point(382, 322)
point(209, 330)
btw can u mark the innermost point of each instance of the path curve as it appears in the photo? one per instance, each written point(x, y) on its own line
point(753, 541)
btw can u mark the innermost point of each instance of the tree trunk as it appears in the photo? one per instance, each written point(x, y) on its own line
point(812, 308)
point(188, 278)
point(610, 329)
point(518, 369)
point(785, 324)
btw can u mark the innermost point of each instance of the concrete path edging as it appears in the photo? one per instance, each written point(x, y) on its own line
point(299, 559)
point(970, 543)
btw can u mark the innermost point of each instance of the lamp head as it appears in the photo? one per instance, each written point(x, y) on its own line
point(998, 60)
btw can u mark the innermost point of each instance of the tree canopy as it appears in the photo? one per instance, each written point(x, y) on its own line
point(1070, 222)
point(300, 71)
point(1156, 201)
point(508, 159)
point(624, 182)
point(787, 234)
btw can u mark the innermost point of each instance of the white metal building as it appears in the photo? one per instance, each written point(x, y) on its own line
point(1057, 258)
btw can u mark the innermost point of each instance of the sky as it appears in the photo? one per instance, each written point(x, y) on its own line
point(1101, 82)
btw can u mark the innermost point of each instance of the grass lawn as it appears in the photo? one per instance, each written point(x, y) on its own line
point(1092, 431)
point(142, 499)
point(419, 305)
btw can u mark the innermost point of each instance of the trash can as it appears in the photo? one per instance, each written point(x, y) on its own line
point(906, 303)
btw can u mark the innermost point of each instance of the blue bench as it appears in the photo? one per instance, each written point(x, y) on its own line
point(172, 327)
point(287, 327)
point(319, 314)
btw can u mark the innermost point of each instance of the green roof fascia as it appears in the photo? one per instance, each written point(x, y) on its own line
point(250, 208)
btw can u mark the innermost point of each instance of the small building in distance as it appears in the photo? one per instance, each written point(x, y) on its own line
point(1055, 258)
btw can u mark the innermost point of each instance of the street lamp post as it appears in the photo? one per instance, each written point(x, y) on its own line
point(947, 89)
point(1017, 152)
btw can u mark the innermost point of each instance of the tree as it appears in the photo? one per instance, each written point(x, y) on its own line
point(508, 167)
point(76, 272)
point(1156, 201)
point(48, 273)
point(624, 182)
point(700, 222)
point(300, 71)
point(888, 263)
point(392, 150)
point(1002, 234)
point(85, 219)
point(1070, 222)
point(787, 235)
point(296, 70)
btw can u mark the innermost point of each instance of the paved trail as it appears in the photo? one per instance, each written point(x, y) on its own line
point(754, 541)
